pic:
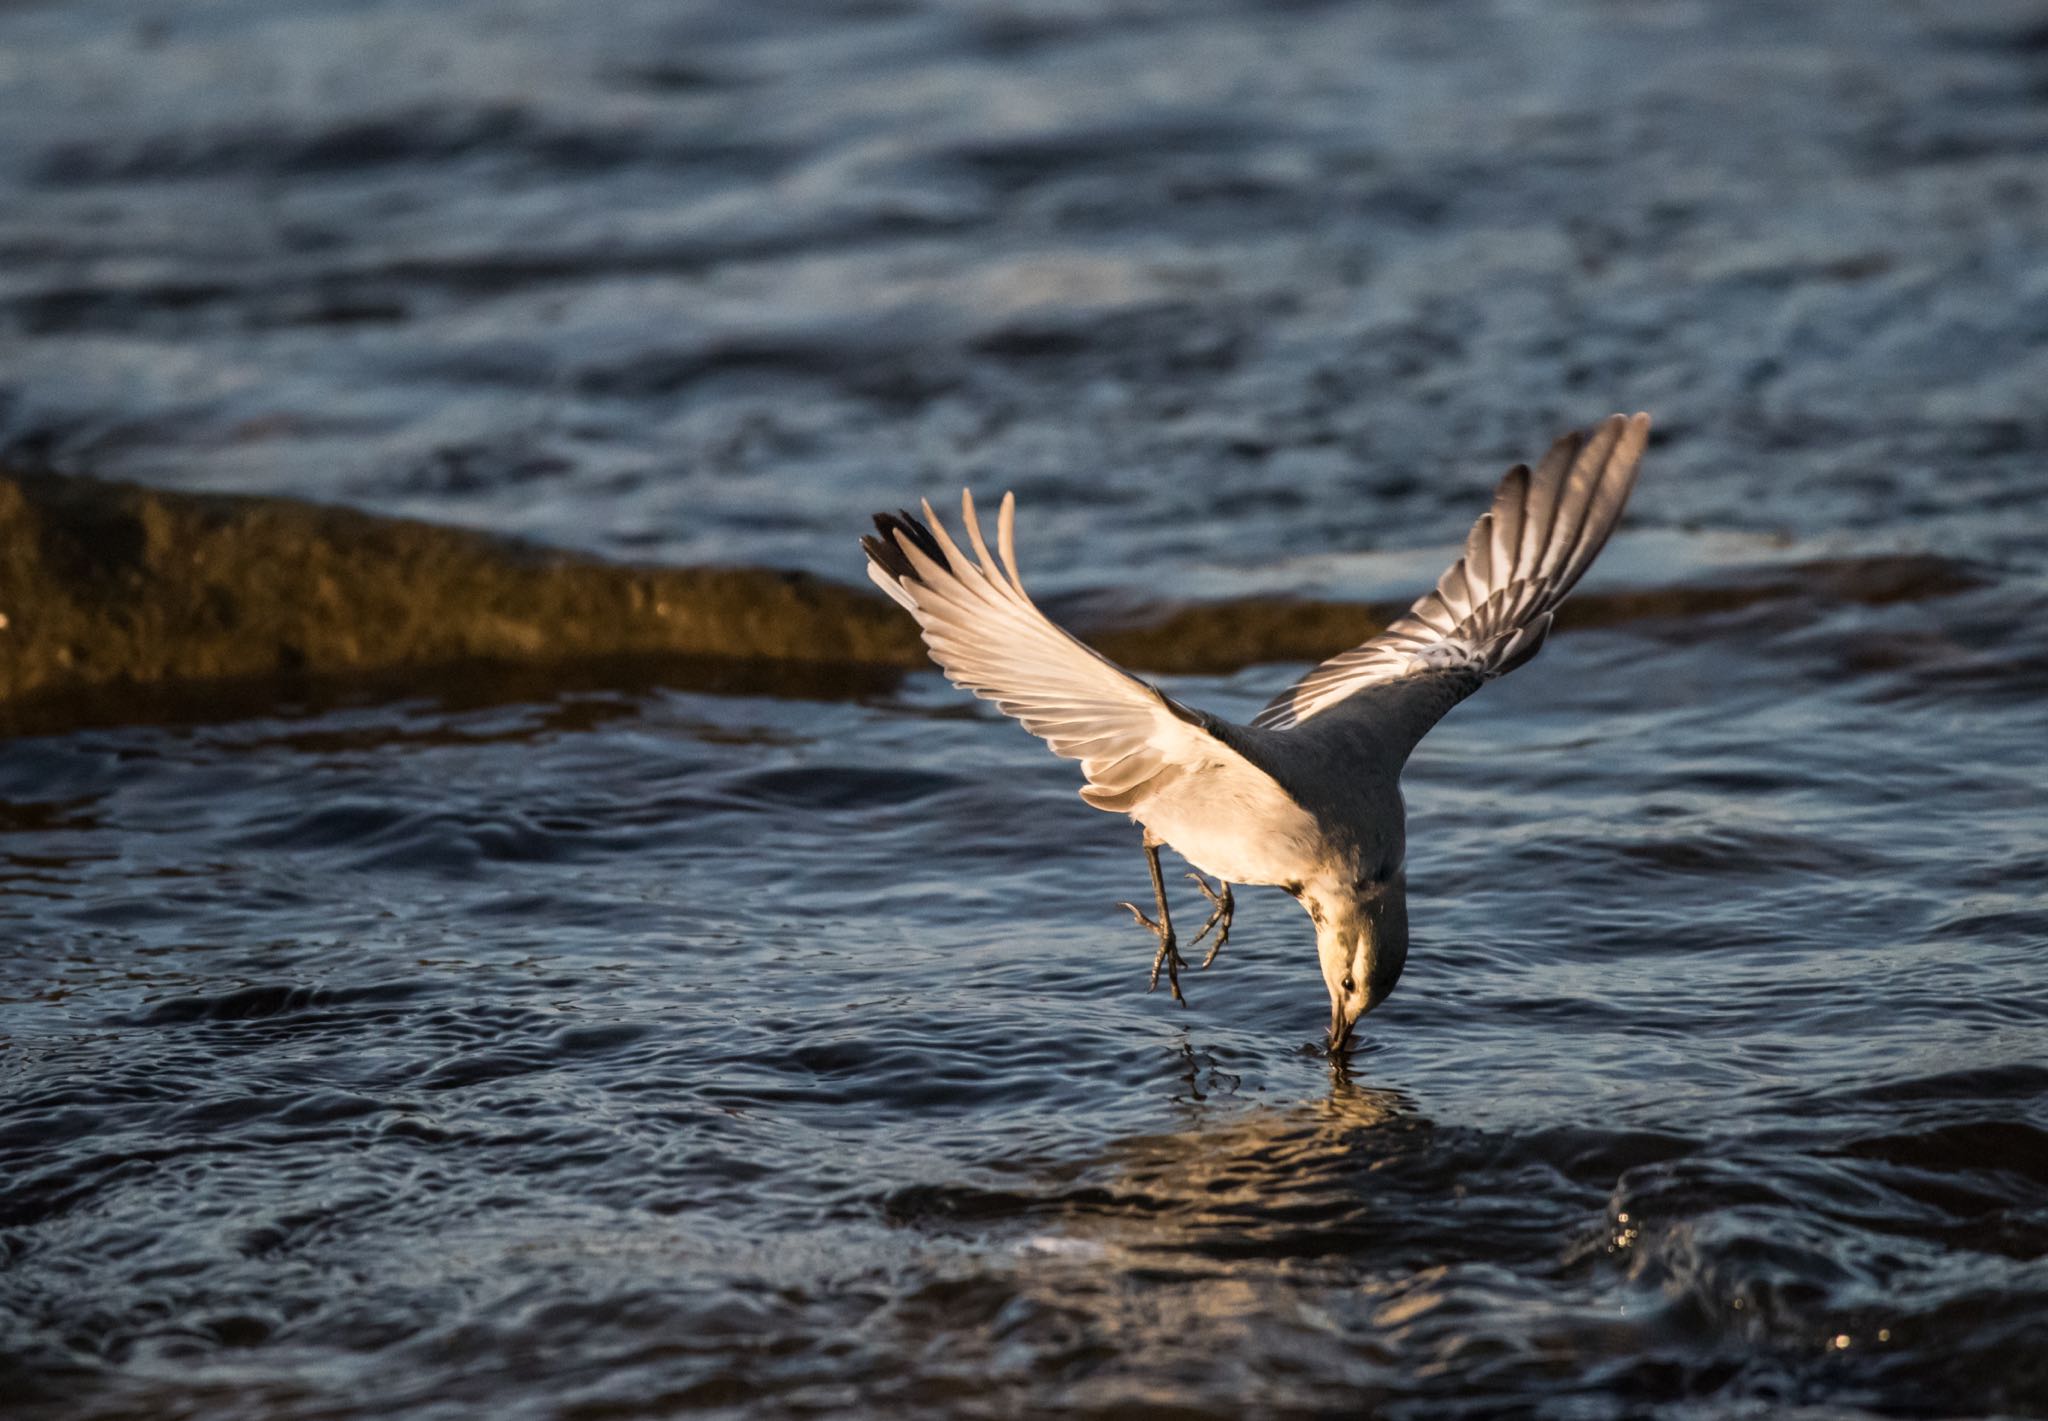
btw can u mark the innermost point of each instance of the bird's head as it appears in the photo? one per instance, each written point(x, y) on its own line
point(1362, 939)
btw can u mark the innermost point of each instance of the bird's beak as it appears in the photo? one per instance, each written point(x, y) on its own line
point(1340, 1030)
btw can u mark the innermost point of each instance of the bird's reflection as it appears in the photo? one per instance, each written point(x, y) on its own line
point(1292, 1181)
point(1244, 1235)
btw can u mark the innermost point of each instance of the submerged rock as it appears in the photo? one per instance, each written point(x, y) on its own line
point(125, 603)
point(108, 585)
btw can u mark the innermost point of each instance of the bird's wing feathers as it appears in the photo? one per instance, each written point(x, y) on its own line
point(988, 636)
point(1491, 611)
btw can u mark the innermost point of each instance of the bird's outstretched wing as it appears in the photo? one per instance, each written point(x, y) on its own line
point(990, 638)
point(1491, 611)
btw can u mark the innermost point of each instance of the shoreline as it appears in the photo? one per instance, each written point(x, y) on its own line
point(126, 603)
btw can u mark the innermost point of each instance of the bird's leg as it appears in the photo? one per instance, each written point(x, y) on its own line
point(1219, 918)
point(1168, 955)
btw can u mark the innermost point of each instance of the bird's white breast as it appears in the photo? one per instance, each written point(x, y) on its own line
point(1234, 823)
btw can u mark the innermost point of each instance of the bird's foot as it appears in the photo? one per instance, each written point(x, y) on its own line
point(1219, 917)
point(1168, 955)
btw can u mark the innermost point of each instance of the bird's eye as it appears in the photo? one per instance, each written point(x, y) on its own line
point(1349, 986)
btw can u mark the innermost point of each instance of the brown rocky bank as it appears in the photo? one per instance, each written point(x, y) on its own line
point(124, 603)
point(123, 591)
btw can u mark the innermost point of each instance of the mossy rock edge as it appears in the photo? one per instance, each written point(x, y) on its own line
point(106, 583)
point(123, 602)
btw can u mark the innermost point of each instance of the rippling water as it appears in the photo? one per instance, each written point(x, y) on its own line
point(645, 1051)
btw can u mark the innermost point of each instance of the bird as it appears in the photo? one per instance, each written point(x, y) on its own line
point(1306, 796)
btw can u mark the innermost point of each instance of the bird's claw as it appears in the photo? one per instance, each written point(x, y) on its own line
point(1219, 917)
point(1168, 955)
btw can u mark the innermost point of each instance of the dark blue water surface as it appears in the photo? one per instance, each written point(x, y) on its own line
point(613, 1052)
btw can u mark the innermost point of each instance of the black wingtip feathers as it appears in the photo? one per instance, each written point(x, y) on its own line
point(887, 552)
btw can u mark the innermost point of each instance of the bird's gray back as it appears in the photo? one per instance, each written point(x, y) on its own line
point(1344, 768)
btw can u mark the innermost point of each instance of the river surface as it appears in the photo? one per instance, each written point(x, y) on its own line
point(616, 1051)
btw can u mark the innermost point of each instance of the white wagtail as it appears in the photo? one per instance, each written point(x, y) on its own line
point(1307, 797)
